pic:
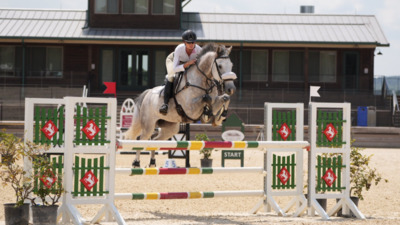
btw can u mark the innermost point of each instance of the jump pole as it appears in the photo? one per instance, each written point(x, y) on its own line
point(187, 171)
point(188, 195)
point(198, 145)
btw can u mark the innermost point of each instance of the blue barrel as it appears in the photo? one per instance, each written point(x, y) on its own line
point(362, 116)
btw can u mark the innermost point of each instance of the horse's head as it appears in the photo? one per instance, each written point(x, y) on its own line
point(220, 113)
point(222, 70)
point(221, 66)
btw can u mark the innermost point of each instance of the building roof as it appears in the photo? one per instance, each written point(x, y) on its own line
point(267, 29)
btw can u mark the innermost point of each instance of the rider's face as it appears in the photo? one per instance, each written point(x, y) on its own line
point(190, 45)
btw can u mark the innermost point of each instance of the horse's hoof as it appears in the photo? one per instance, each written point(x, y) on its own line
point(136, 164)
point(152, 163)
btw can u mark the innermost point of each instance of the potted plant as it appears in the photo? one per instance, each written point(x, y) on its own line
point(48, 190)
point(12, 173)
point(362, 175)
point(206, 152)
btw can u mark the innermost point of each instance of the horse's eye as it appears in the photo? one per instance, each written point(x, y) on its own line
point(219, 66)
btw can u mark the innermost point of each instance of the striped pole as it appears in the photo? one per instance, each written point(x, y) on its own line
point(198, 145)
point(187, 195)
point(187, 171)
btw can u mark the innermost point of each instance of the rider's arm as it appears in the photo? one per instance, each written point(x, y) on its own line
point(179, 50)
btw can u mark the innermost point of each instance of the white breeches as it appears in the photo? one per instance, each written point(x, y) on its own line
point(170, 69)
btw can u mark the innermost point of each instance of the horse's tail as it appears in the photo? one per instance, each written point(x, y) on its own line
point(134, 130)
point(139, 100)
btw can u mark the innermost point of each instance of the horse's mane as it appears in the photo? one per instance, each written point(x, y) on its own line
point(212, 47)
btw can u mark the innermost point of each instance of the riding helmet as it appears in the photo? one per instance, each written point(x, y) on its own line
point(189, 36)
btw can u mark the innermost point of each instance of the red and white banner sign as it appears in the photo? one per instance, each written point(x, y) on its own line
point(49, 129)
point(284, 175)
point(89, 180)
point(284, 131)
point(91, 129)
point(329, 177)
point(330, 132)
point(48, 179)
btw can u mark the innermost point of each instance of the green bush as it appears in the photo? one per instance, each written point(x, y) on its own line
point(362, 175)
point(206, 152)
point(12, 172)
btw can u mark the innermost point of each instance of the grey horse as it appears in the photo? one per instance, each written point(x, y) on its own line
point(200, 88)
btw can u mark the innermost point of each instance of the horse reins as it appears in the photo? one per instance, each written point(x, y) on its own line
point(214, 83)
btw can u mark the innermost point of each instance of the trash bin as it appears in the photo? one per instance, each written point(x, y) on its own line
point(371, 116)
point(362, 116)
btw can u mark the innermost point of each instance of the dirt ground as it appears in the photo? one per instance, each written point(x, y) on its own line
point(381, 204)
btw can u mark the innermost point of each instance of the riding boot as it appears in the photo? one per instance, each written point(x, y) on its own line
point(167, 96)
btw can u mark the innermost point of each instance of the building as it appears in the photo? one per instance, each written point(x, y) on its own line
point(127, 42)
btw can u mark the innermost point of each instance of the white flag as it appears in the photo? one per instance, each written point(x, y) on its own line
point(314, 91)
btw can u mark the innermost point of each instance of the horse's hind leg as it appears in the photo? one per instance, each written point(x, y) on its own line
point(131, 134)
point(146, 135)
point(168, 130)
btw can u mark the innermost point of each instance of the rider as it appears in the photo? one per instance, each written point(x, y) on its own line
point(183, 57)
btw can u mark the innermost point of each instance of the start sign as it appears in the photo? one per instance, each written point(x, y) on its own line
point(232, 154)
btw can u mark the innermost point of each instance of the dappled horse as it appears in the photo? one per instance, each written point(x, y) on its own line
point(198, 90)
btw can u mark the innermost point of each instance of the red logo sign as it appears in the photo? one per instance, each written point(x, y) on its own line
point(48, 179)
point(330, 132)
point(89, 180)
point(284, 131)
point(49, 129)
point(126, 121)
point(284, 175)
point(329, 177)
point(91, 129)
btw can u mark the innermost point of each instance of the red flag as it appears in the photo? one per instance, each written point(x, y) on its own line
point(110, 88)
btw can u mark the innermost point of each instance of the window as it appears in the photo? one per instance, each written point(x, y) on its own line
point(107, 65)
point(259, 65)
point(160, 69)
point(106, 6)
point(54, 61)
point(288, 66)
point(44, 61)
point(322, 66)
point(10, 61)
point(142, 68)
point(135, 6)
point(164, 7)
point(254, 65)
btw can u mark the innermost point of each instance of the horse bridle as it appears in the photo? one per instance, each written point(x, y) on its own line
point(211, 83)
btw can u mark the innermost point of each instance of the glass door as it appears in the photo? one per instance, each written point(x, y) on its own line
point(134, 70)
point(350, 70)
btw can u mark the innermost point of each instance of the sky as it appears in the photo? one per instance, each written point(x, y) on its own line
point(386, 11)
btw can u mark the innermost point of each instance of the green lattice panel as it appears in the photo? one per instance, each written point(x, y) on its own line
point(278, 162)
point(83, 116)
point(280, 117)
point(323, 120)
point(324, 164)
point(58, 166)
point(83, 165)
point(41, 117)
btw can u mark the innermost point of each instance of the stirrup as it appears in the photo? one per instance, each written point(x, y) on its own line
point(164, 109)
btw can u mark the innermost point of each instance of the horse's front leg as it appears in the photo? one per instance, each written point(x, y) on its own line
point(136, 162)
point(152, 159)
